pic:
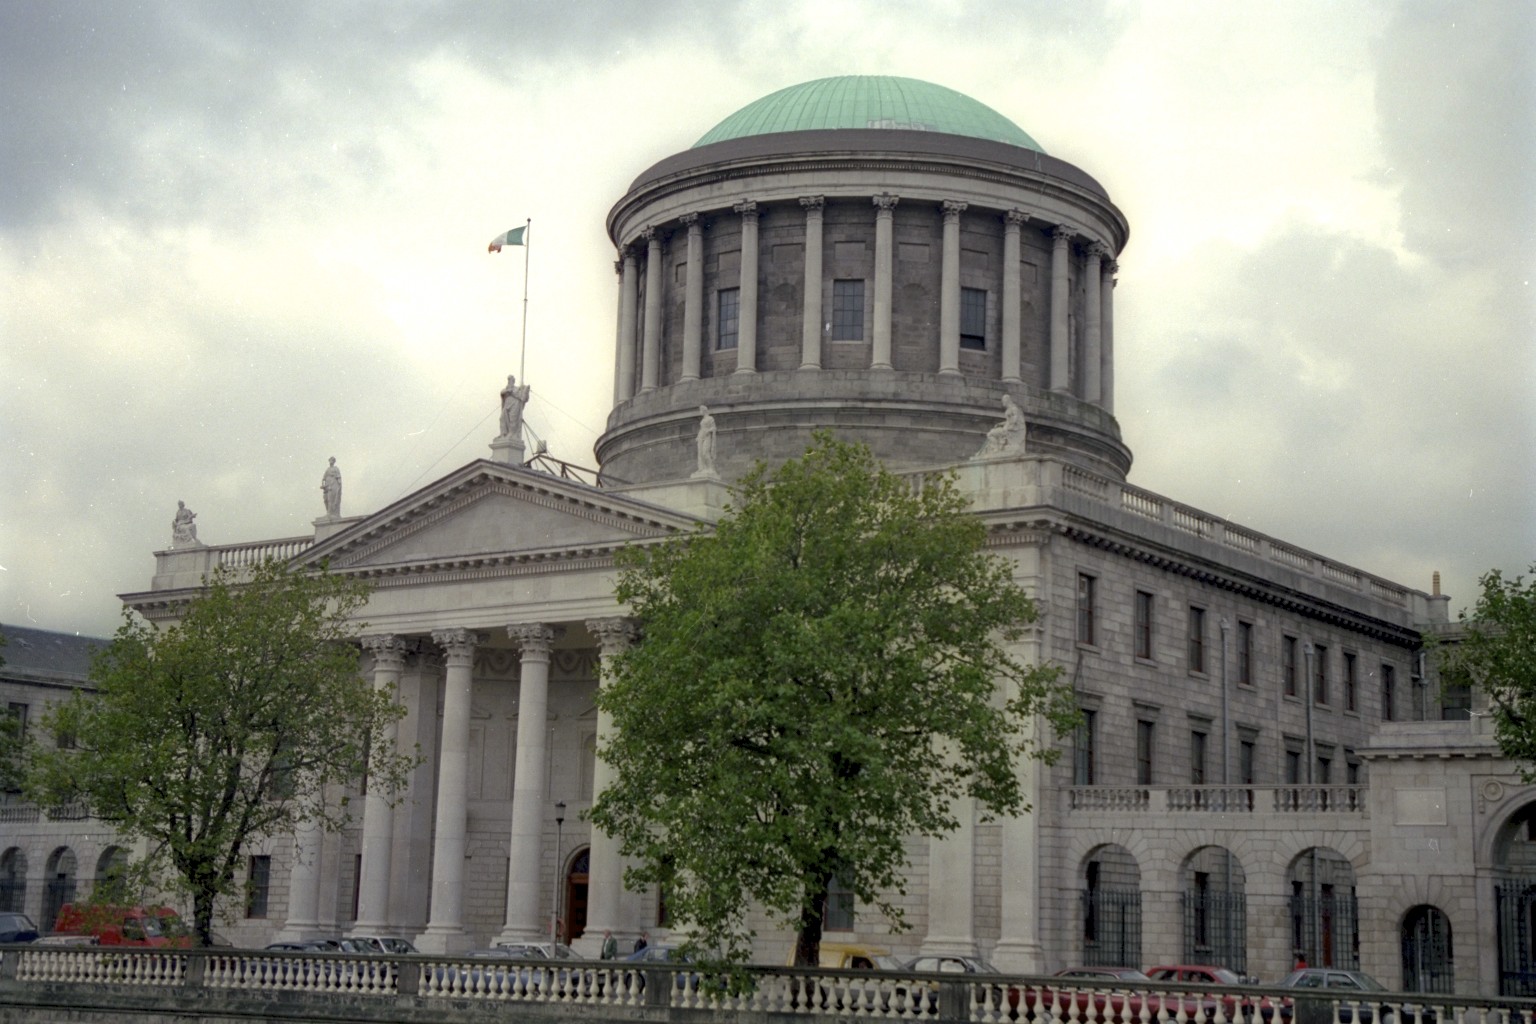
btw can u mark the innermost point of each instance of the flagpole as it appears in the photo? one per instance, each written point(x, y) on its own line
point(522, 354)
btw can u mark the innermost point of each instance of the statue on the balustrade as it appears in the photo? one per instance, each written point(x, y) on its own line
point(330, 488)
point(1007, 438)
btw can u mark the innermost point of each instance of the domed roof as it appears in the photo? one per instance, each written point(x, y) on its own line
point(869, 101)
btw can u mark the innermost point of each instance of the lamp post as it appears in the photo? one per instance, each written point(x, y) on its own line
point(554, 921)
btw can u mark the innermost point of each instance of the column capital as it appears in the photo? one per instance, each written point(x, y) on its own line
point(614, 634)
point(1062, 233)
point(886, 201)
point(533, 637)
point(1111, 268)
point(813, 204)
point(689, 220)
point(388, 650)
point(953, 208)
point(747, 208)
point(1016, 217)
point(1098, 250)
point(458, 643)
point(649, 235)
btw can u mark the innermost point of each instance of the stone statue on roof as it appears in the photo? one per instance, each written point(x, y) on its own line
point(330, 489)
point(513, 397)
point(183, 529)
point(1007, 438)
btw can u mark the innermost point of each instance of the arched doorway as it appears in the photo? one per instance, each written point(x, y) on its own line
point(574, 921)
point(1324, 921)
point(13, 880)
point(58, 886)
point(1111, 907)
point(1215, 909)
point(1428, 962)
point(1514, 893)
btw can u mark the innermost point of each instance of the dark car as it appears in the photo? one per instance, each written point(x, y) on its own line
point(1211, 974)
point(17, 928)
point(1358, 996)
point(994, 996)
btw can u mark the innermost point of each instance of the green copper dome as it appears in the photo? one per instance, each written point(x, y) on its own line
point(869, 101)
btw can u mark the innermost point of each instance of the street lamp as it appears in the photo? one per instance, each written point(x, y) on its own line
point(554, 922)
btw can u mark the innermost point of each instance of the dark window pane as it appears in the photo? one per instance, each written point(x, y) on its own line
point(728, 317)
point(847, 310)
point(973, 318)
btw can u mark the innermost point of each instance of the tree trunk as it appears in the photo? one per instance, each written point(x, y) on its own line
point(808, 940)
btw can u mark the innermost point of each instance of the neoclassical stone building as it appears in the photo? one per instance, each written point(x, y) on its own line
point(1266, 767)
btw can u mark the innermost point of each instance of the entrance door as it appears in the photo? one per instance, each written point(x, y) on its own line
point(576, 895)
point(1428, 965)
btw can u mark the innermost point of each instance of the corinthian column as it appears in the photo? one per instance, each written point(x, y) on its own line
point(746, 329)
point(606, 896)
point(1092, 342)
point(445, 923)
point(529, 783)
point(1013, 223)
point(693, 298)
point(650, 355)
point(378, 806)
point(949, 290)
point(885, 204)
point(810, 332)
point(629, 301)
point(1061, 356)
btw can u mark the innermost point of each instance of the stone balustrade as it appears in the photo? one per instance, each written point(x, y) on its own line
point(41, 982)
point(1259, 800)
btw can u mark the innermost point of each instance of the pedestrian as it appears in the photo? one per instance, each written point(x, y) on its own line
point(610, 946)
point(643, 941)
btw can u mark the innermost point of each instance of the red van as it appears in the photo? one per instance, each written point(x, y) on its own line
point(125, 926)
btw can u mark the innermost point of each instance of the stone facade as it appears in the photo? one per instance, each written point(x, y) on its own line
point(1267, 769)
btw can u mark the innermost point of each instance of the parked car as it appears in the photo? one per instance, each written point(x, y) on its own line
point(541, 950)
point(1084, 987)
point(997, 996)
point(381, 944)
point(125, 926)
point(17, 928)
point(1211, 974)
point(1358, 996)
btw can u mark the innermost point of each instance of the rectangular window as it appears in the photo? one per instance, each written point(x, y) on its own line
point(727, 317)
point(1388, 693)
point(1196, 639)
point(1456, 704)
point(1324, 771)
point(1351, 692)
point(1244, 653)
point(1320, 674)
point(1292, 766)
point(848, 310)
point(1245, 756)
point(1197, 758)
point(1288, 664)
point(1086, 593)
point(839, 911)
point(973, 319)
point(18, 713)
point(258, 882)
point(1144, 737)
point(1082, 748)
point(1143, 625)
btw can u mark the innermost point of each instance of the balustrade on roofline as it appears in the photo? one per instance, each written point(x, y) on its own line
point(1345, 800)
point(1158, 509)
point(244, 556)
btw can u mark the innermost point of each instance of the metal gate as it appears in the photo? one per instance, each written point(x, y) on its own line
point(1111, 926)
point(1428, 961)
point(1216, 928)
point(56, 893)
point(1515, 903)
point(1325, 929)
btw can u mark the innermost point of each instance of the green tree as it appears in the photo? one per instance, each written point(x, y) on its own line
point(819, 677)
point(229, 726)
point(1497, 654)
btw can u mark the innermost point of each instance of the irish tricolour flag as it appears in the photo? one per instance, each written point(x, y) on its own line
point(513, 237)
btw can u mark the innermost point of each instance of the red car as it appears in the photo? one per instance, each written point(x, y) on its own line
point(1208, 974)
point(1105, 990)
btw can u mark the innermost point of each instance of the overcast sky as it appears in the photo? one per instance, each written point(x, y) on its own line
point(238, 238)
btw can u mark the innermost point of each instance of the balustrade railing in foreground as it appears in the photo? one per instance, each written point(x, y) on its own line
point(653, 991)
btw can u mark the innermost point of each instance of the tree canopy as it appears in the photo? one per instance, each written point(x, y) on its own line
point(819, 677)
point(228, 726)
point(1497, 654)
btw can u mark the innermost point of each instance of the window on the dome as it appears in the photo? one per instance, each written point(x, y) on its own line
point(848, 310)
point(973, 319)
point(728, 318)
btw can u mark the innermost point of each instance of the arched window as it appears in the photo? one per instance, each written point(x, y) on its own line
point(13, 880)
point(58, 886)
point(1428, 961)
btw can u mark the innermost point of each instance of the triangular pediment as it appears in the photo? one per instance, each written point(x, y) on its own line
point(489, 512)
